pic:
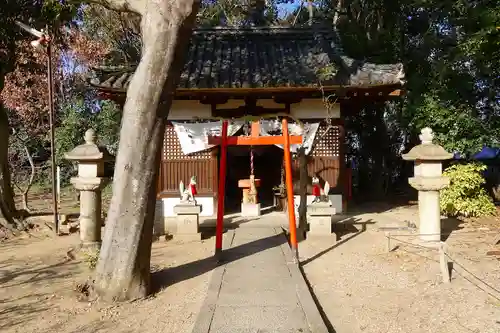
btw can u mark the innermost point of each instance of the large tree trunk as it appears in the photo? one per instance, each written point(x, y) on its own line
point(123, 270)
point(7, 205)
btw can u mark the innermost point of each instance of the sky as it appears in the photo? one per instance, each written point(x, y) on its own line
point(289, 7)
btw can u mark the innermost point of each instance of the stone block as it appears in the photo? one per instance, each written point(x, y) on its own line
point(188, 224)
point(250, 210)
point(91, 169)
point(321, 210)
point(187, 209)
point(320, 225)
point(428, 168)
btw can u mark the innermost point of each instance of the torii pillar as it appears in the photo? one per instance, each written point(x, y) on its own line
point(255, 140)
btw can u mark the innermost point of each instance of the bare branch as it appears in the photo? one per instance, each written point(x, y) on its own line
point(30, 181)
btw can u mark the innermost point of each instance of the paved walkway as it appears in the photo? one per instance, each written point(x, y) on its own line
point(258, 288)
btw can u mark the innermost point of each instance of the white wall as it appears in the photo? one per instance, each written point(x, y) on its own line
point(307, 109)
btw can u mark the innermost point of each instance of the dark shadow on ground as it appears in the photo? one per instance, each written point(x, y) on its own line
point(384, 204)
point(348, 228)
point(232, 221)
point(35, 275)
point(15, 311)
point(325, 318)
point(15, 315)
point(448, 226)
point(37, 214)
point(89, 327)
point(170, 276)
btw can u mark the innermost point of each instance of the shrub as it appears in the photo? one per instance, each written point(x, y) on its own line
point(91, 257)
point(466, 196)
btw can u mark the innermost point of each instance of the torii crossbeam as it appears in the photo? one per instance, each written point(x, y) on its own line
point(255, 140)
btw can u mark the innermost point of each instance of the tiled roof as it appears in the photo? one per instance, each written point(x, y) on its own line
point(263, 57)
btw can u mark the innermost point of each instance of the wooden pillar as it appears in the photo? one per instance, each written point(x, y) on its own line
point(289, 189)
point(303, 182)
point(344, 175)
point(221, 192)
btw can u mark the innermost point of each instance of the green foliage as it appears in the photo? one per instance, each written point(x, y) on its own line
point(91, 257)
point(466, 196)
point(457, 127)
point(76, 119)
point(107, 123)
point(327, 73)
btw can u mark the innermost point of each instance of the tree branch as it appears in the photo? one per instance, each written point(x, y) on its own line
point(133, 6)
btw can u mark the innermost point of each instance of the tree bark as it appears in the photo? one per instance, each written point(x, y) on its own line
point(123, 270)
point(7, 205)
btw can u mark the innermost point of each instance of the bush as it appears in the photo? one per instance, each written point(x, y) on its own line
point(91, 257)
point(466, 196)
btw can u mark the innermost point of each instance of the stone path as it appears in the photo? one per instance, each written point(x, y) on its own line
point(258, 288)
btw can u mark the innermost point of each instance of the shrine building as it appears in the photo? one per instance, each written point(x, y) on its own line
point(260, 73)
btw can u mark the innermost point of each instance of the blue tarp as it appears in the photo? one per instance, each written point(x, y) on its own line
point(487, 153)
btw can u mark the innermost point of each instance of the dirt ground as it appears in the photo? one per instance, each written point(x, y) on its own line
point(38, 280)
point(360, 286)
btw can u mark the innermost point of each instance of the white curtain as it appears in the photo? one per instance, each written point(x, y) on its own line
point(308, 133)
point(193, 137)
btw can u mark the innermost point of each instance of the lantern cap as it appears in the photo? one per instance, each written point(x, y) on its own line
point(89, 151)
point(427, 150)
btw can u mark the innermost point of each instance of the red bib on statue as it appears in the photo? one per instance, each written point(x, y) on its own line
point(193, 189)
point(316, 190)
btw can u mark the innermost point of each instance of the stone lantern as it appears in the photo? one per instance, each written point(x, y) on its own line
point(90, 181)
point(428, 181)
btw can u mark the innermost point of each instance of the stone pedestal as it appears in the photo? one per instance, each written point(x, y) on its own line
point(250, 210)
point(428, 181)
point(90, 182)
point(188, 222)
point(320, 219)
point(428, 206)
point(90, 209)
point(429, 212)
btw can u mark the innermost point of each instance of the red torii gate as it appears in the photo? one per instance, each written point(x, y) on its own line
point(255, 140)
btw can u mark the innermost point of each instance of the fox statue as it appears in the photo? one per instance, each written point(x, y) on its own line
point(188, 194)
point(320, 195)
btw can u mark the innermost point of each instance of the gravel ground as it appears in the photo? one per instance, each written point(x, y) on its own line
point(359, 285)
point(38, 281)
point(363, 288)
